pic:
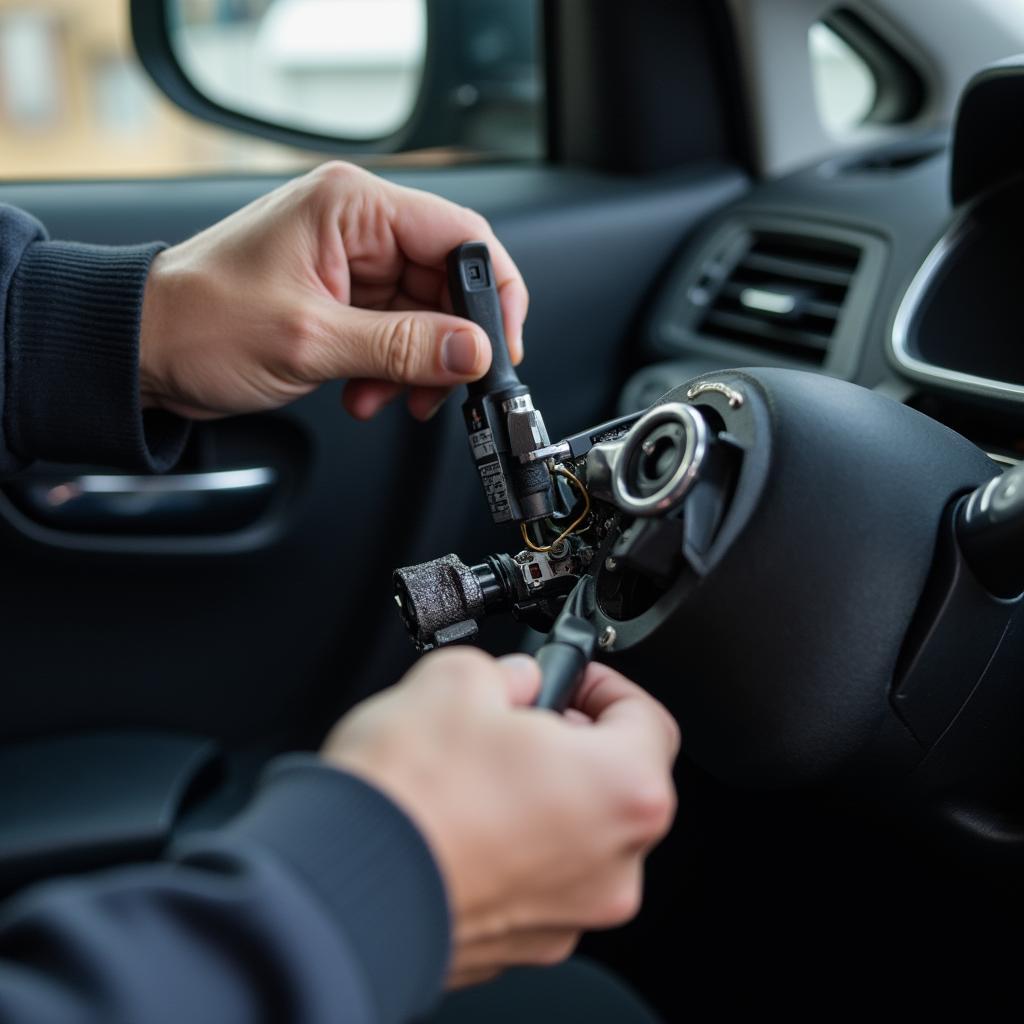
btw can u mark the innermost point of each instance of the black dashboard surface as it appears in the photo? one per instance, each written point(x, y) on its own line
point(896, 201)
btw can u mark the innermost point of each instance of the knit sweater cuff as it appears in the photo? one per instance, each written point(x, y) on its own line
point(72, 385)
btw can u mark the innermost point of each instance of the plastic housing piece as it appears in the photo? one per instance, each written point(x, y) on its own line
point(955, 326)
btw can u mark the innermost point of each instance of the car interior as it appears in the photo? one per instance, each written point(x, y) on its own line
point(822, 195)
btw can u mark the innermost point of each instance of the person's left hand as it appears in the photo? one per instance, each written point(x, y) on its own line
point(336, 275)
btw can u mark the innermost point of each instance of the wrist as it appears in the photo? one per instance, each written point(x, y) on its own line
point(154, 330)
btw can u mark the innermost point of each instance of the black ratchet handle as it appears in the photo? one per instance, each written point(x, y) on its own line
point(569, 648)
point(475, 297)
point(562, 667)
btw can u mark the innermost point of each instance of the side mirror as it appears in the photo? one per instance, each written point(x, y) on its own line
point(344, 76)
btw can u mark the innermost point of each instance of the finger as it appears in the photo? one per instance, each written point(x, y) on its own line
point(431, 349)
point(515, 299)
point(471, 676)
point(363, 399)
point(464, 979)
point(613, 701)
point(575, 717)
point(423, 402)
point(543, 945)
point(426, 285)
point(522, 678)
point(514, 303)
point(428, 227)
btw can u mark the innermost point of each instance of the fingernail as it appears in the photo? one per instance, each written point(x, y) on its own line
point(521, 665)
point(460, 353)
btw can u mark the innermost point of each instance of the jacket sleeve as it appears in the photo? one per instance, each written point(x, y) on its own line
point(320, 903)
point(69, 340)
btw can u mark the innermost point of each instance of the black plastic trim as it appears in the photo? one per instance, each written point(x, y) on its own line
point(674, 324)
point(905, 347)
point(988, 145)
point(900, 90)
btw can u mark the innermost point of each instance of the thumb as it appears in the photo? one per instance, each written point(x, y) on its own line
point(434, 349)
point(521, 674)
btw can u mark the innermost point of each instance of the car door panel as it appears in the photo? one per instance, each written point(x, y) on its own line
point(259, 644)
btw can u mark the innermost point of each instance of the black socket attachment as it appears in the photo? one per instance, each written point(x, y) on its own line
point(569, 648)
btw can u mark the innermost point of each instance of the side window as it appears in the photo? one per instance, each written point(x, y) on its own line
point(844, 87)
point(75, 103)
point(859, 76)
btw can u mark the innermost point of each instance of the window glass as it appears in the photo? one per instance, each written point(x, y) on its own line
point(75, 103)
point(844, 85)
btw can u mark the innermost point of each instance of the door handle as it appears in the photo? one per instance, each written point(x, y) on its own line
point(175, 504)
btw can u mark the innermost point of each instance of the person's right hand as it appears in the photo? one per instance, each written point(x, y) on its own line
point(540, 823)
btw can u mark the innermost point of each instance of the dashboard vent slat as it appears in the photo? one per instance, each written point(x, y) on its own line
point(746, 328)
point(794, 270)
point(783, 293)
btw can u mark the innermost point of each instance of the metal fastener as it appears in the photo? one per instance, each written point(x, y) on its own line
point(607, 638)
point(731, 395)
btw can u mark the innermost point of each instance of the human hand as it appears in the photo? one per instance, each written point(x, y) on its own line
point(336, 275)
point(540, 823)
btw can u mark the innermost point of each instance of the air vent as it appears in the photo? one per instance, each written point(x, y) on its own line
point(785, 294)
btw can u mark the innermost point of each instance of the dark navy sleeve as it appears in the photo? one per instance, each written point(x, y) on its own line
point(69, 337)
point(320, 903)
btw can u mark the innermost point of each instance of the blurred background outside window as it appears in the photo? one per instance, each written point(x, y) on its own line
point(75, 103)
point(844, 85)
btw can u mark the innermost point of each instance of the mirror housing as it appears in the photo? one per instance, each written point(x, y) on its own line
point(454, 86)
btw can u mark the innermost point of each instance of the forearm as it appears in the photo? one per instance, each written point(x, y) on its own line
point(319, 903)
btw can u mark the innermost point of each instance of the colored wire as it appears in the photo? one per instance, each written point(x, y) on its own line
point(575, 481)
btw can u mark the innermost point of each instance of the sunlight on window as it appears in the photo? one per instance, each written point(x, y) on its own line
point(844, 86)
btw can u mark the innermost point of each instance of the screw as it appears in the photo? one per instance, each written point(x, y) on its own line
point(523, 557)
point(610, 564)
point(607, 638)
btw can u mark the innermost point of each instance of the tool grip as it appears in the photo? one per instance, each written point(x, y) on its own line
point(561, 671)
point(474, 294)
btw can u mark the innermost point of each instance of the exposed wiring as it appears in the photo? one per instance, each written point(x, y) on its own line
point(575, 481)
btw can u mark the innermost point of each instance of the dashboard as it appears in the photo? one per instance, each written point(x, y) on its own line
point(859, 268)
